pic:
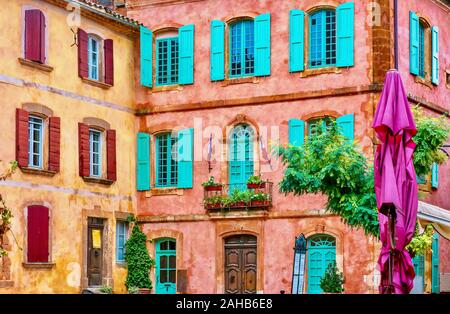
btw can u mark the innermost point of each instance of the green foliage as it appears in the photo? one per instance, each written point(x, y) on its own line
point(211, 182)
point(260, 196)
point(106, 289)
point(333, 280)
point(138, 260)
point(255, 180)
point(431, 135)
point(133, 290)
point(421, 243)
point(6, 212)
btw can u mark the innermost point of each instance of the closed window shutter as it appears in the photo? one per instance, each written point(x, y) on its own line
point(37, 234)
point(109, 61)
point(435, 55)
point(146, 43)
point(143, 162)
point(435, 264)
point(22, 137)
point(435, 176)
point(413, 43)
point(345, 34)
point(217, 50)
point(54, 126)
point(83, 149)
point(296, 132)
point(83, 67)
point(185, 158)
point(111, 164)
point(262, 45)
point(346, 125)
point(35, 36)
point(186, 48)
point(296, 40)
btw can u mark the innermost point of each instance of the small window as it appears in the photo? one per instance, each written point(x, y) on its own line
point(242, 48)
point(322, 39)
point(93, 57)
point(35, 131)
point(121, 234)
point(321, 124)
point(95, 149)
point(167, 61)
point(166, 160)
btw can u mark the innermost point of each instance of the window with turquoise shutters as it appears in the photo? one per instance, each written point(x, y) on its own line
point(262, 45)
point(296, 132)
point(167, 61)
point(435, 55)
point(322, 38)
point(217, 50)
point(241, 165)
point(435, 264)
point(421, 50)
point(317, 125)
point(166, 160)
point(121, 237)
point(186, 41)
point(166, 266)
point(321, 252)
point(413, 43)
point(146, 44)
point(345, 34)
point(242, 48)
point(296, 40)
point(143, 162)
point(185, 158)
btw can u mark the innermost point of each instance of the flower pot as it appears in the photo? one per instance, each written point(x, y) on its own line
point(213, 206)
point(238, 204)
point(256, 185)
point(144, 291)
point(213, 188)
point(259, 203)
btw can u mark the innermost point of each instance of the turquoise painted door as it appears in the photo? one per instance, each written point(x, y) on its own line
point(166, 266)
point(419, 281)
point(241, 157)
point(321, 252)
point(435, 264)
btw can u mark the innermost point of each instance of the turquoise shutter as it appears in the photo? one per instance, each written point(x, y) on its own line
point(296, 40)
point(413, 43)
point(435, 264)
point(347, 126)
point(217, 50)
point(143, 162)
point(435, 55)
point(185, 158)
point(296, 132)
point(146, 42)
point(345, 34)
point(435, 176)
point(186, 48)
point(262, 45)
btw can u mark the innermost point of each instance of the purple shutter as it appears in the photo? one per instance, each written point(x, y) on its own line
point(54, 136)
point(37, 234)
point(111, 155)
point(83, 149)
point(22, 139)
point(83, 67)
point(109, 61)
point(35, 36)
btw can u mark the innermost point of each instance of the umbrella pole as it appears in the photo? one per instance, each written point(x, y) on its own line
point(391, 222)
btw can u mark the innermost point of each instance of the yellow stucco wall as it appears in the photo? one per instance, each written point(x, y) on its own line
point(68, 196)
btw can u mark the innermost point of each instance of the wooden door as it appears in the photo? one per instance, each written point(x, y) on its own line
point(95, 251)
point(240, 264)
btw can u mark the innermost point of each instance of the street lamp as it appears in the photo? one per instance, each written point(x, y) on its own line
point(298, 274)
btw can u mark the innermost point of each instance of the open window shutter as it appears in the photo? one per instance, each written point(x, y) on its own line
point(35, 36)
point(217, 50)
point(435, 55)
point(22, 137)
point(435, 264)
point(83, 67)
point(185, 158)
point(146, 43)
point(296, 132)
point(262, 45)
point(347, 126)
point(296, 40)
point(83, 149)
point(54, 142)
point(143, 162)
point(345, 34)
point(111, 165)
point(37, 234)
point(413, 43)
point(435, 175)
point(186, 46)
point(109, 61)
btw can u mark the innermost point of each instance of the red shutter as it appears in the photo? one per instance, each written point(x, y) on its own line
point(83, 149)
point(37, 234)
point(54, 136)
point(35, 36)
point(22, 137)
point(83, 68)
point(109, 62)
point(111, 155)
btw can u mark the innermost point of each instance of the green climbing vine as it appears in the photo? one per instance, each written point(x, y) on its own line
point(5, 211)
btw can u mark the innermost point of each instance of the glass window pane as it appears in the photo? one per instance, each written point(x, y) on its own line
point(172, 276)
point(163, 276)
point(172, 261)
point(163, 262)
point(172, 245)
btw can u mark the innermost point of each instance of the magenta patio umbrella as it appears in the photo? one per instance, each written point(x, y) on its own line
point(395, 185)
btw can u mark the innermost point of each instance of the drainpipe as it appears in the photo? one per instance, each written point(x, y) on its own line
point(396, 33)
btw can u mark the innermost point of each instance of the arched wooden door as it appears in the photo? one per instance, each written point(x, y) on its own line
point(240, 264)
point(321, 252)
point(166, 266)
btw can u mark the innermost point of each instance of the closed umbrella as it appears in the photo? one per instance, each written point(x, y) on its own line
point(395, 185)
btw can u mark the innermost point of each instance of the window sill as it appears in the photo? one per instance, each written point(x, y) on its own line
point(96, 83)
point(36, 65)
point(164, 191)
point(240, 80)
point(48, 265)
point(423, 81)
point(319, 71)
point(98, 180)
point(167, 88)
point(39, 172)
point(121, 264)
point(6, 283)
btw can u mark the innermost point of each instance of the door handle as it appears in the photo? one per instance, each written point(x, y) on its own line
point(96, 253)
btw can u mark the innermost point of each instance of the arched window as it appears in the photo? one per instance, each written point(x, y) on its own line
point(319, 123)
point(94, 55)
point(166, 266)
point(242, 48)
point(167, 57)
point(322, 38)
point(422, 50)
point(321, 252)
point(241, 156)
point(166, 160)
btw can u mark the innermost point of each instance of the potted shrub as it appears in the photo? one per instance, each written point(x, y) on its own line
point(214, 202)
point(211, 185)
point(255, 182)
point(138, 260)
point(333, 280)
point(259, 199)
point(236, 199)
